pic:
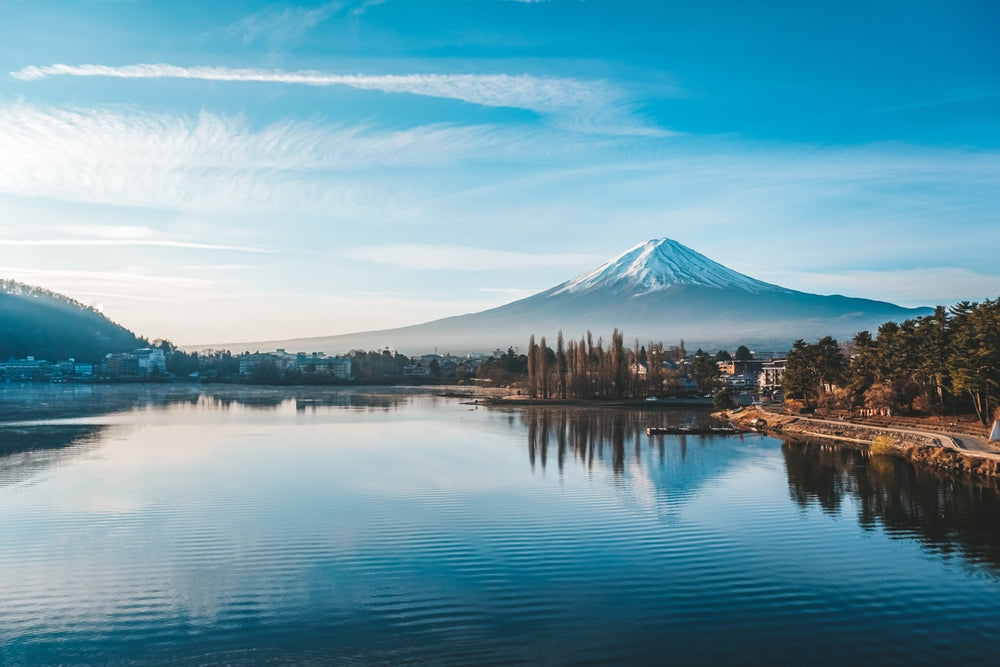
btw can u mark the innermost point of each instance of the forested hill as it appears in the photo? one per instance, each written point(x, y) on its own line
point(46, 325)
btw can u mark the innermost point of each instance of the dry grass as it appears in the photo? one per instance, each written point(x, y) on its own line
point(883, 445)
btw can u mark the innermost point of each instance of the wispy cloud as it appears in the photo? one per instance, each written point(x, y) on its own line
point(363, 7)
point(74, 278)
point(127, 242)
point(543, 94)
point(462, 258)
point(212, 162)
point(93, 231)
point(279, 24)
point(584, 105)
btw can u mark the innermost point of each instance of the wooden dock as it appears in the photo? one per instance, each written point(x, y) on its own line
point(687, 430)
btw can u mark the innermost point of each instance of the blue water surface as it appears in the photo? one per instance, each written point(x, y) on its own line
point(153, 525)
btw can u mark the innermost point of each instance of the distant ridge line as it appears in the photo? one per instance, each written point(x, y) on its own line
point(657, 290)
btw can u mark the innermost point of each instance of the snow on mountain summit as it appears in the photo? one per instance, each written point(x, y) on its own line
point(657, 265)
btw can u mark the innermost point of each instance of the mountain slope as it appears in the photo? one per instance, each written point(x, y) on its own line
point(46, 325)
point(658, 265)
point(659, 290)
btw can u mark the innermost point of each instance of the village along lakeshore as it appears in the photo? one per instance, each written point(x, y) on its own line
point(924, 374)
point(939, 372)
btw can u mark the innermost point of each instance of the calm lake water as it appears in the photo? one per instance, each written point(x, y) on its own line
point(312, 526)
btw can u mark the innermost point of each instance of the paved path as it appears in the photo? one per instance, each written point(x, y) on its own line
point(960, 441)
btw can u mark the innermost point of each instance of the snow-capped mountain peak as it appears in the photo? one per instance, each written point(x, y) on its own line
point(659, 264)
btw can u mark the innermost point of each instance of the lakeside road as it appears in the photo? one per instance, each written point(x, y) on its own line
point(963, 443)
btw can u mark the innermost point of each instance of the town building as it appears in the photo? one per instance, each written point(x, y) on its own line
point(770, 375)
point(302, 362)
point(416, 370)
point(151, 360)
point(340, 367)
point(26, 370)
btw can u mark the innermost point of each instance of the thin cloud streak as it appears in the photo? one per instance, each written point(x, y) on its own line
point(277, 25)
point(118, 278)
point(363, 7)
point(521, 91)
point(420, 256)
point(103, 231)
point(129, 242)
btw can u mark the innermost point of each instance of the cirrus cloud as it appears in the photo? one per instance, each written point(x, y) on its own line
point(212, 162)
point(584, 105)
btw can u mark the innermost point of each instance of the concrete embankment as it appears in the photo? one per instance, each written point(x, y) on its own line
point(939, 450)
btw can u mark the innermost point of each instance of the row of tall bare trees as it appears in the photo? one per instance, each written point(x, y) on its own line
point(589, 369)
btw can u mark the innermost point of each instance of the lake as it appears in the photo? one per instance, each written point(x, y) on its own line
point(186, 525)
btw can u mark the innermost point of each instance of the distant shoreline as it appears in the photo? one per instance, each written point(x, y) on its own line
point(519, 401)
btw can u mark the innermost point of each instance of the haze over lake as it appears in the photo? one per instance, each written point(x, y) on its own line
point(244, 525)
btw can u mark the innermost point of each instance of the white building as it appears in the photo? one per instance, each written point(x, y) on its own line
point(151, 359)
point(770, 374)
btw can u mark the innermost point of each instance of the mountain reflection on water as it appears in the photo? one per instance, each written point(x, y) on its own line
point(236, 525)
point(945, 514)
point(42, 426)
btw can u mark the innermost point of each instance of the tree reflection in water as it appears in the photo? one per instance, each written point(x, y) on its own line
point(945, 514)
point(25, 452)
point(42, 425)
point(589, 434)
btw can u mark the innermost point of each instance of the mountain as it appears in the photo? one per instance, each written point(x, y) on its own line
point(659, 290)
point(49, 326)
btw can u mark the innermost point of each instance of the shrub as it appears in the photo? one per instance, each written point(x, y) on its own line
point(883, 445)
point(723, 400)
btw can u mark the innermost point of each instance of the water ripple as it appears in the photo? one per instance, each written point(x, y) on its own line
point(325, 540)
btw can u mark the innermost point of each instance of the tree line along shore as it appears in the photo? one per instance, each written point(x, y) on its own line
point(931, 371)
point(947, 363)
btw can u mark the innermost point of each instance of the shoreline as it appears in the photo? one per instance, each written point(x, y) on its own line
point(524, 401)
point(952, 452)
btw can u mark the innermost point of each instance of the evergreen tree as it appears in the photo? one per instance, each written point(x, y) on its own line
point(974, 362)
point(704, 371)
point(813, 370)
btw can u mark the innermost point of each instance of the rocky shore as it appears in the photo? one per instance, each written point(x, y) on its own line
point(955, 453)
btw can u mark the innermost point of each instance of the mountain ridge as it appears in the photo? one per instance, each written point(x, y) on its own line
point(37, 322)
point(658, 290)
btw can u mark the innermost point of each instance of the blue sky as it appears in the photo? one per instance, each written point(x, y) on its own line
point(230, 171)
